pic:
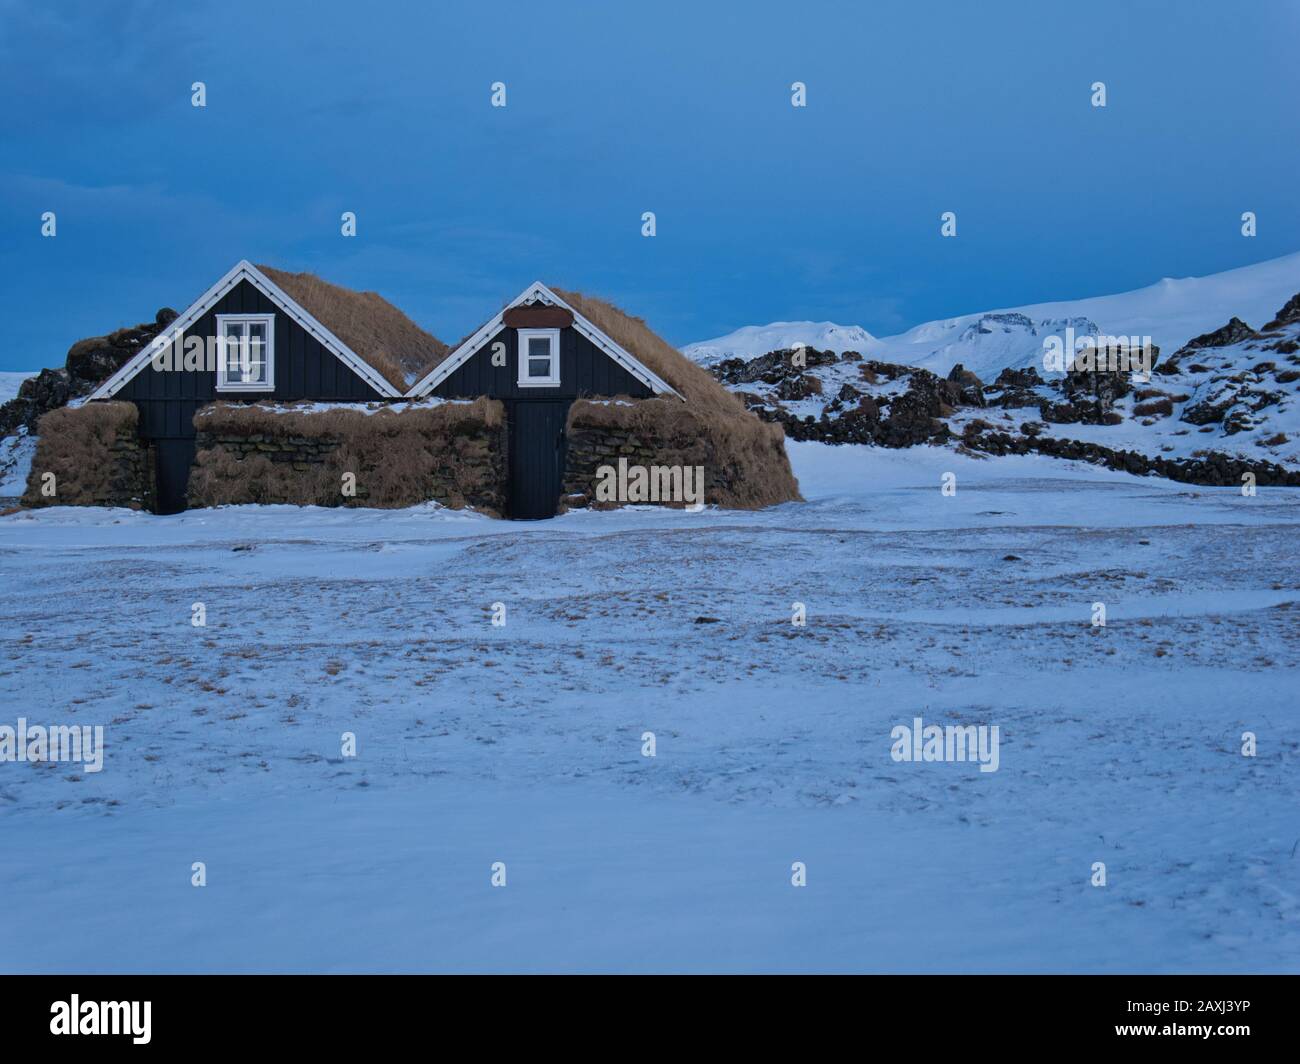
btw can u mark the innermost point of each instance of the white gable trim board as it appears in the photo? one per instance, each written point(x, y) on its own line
point(539, 293)
point(246, 271)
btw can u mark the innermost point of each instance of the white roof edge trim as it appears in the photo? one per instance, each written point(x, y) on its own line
point(489, 329)
point(245, 270)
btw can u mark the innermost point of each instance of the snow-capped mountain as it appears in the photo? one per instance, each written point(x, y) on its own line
point(1168, 311)
point(987, 342)
point(1220, 404)
point(755, 340)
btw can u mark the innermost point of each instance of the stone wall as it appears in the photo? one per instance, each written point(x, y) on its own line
point(590, 447)
point(1212, 469)
point(299, 452)
point(95, 456)
point(743, 459)
point(452, 453)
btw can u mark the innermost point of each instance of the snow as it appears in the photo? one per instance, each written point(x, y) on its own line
point(754, 340)
point(1170, 311)
point(11, 381)
point(319, 407)
point(522, 744)
point(16, 454)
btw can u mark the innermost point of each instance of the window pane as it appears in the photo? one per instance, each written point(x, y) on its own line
point(234, 343)
point(538, 345)
point(255, 370)
point(539, 367)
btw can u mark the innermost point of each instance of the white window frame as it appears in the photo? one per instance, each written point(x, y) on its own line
point(552, 379)
point(266, 320)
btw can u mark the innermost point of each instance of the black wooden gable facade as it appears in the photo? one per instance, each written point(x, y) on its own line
point(309, 362)
point(536, 415)
point(585, 370)
point(304, 368)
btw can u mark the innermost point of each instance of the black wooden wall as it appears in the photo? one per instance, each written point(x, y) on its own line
point(584, 370)
point(304, 369)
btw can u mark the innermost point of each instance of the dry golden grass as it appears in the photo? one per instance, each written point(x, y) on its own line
point(399, 458)
point(369, 324)
point(632, 333)
point(696, 386)
point(1162, 407)
point(75, 444)
point(743, 457)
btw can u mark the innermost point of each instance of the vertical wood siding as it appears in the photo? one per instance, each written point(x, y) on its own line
point(584, 370)
point(304, 369)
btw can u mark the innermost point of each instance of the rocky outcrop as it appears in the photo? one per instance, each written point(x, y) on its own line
point(772, 368)
point(1014, 389)
point(1233, 333)
point(89, 363)
point(799, 387)
point(1212, 469)
point(90, 456)
point(1228, 389)
point(1288, 315)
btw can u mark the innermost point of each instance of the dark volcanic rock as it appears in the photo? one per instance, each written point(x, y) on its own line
point(1288, 315)
point(1019, 378)
point(1014, 389)
point(97, 358)
point(913, 419)
point(800, 387)
point(1208, 412)
point(961, 375)
point(1233, 333)
point(89, 362)
point(889, 370)
point(1213, 469)
point(971, 388)
point(772, 368)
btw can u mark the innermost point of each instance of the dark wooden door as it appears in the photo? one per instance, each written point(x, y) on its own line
point(173, 460)
point(536, 456)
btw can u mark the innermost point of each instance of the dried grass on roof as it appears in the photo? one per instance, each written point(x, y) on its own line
point(696, 386)
point(371, 326)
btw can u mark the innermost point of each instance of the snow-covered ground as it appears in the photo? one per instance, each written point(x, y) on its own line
point(16, 454)
point(522, 744)
point(11, 381)
point(1171, 312)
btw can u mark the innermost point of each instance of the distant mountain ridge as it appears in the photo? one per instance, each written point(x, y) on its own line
point(1220, 407)
point(986, 342)
point(753, 340)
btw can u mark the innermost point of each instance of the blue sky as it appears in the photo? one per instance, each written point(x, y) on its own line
point(765, 211)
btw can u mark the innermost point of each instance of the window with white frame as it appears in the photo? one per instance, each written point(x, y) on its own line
point(245, 352)
point(539, 358)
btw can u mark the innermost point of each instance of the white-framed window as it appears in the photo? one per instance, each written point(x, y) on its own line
point(245, 352)
point(539, 358)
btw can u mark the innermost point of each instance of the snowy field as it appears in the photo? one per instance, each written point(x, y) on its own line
point(522, 744)
point(11, 381)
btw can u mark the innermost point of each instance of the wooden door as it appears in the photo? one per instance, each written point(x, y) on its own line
point(536, 456)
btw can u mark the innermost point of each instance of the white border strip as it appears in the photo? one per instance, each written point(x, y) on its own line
point(241, 271)
point(470, 347)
